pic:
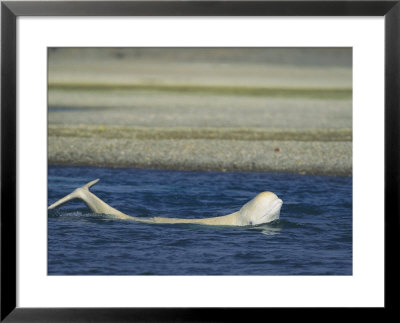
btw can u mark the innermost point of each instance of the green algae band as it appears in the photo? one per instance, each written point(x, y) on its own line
point(322, 93)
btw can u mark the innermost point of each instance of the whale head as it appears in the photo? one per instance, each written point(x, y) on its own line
point(264, 208)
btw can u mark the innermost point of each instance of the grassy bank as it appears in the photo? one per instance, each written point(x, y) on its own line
point(237, 90)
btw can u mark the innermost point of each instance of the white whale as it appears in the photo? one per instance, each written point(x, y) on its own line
point(264, 208)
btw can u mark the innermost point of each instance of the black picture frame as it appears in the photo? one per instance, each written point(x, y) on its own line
point(11, 10)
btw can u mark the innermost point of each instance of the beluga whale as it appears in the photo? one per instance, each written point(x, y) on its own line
point(263, 208)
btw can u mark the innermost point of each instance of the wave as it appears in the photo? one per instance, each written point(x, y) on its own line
point(272, 228)
point(56, 213)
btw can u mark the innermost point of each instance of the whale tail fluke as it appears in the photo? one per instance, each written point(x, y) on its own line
point(90, 184)
point(75, 194)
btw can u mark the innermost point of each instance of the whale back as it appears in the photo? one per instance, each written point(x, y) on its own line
point(265, 207)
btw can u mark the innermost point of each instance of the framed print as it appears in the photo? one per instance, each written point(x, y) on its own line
point(191, 160)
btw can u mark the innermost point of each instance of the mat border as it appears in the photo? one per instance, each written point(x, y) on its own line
point(11, 10)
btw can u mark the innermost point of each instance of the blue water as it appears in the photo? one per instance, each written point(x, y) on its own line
point(312, 237)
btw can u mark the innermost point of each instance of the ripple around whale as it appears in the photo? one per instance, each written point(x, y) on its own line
point(301, 242)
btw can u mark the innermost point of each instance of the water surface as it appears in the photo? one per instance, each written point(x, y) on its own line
point(312, 237)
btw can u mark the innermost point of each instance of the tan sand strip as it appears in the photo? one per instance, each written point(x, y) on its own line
point(162, 133)
point(323, 158)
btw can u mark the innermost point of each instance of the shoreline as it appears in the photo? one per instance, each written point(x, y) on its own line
point(145, 167)
point(219, 109)
point(314, 158)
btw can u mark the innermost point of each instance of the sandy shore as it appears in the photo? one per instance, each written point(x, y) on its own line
point(128, 109)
